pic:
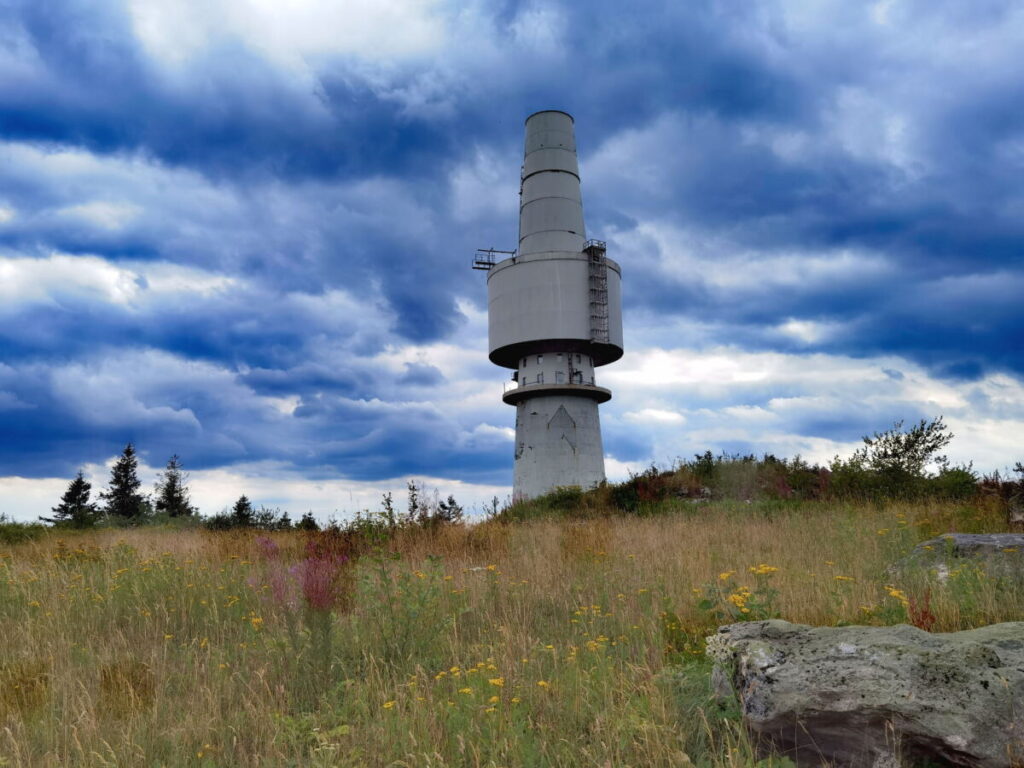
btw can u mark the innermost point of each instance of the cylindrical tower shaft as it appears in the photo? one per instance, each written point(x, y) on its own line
point(550, 208)
point(558, 443)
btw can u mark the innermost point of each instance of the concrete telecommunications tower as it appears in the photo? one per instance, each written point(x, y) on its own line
point(555, 314)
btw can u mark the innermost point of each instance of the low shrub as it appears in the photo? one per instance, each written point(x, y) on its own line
point(13, 532)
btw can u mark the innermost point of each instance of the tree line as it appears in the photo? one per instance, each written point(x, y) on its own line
point(124, 503)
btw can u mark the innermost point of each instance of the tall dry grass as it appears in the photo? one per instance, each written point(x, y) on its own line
point(547, 643)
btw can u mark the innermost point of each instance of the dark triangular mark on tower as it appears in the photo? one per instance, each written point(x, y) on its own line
point(563, 422)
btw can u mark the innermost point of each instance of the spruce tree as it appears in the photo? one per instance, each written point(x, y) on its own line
point(242, 513)
point(122, 498)
point(308, 523)
point(172, 492)
point(74, 508)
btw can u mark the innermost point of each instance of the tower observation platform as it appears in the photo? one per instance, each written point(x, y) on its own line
point(554, 316)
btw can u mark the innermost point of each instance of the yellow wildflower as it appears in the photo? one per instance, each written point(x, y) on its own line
point(898, 594)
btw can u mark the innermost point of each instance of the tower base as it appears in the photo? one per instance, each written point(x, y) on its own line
point(558, 443)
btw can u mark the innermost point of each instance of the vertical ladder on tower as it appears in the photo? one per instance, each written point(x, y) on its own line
point(598, 269)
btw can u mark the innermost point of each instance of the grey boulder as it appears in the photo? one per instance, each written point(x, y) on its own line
point(1001, 554)
point(1015, 510)
point(877, 696)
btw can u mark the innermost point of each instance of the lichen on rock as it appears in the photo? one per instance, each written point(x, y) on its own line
point(861, 696)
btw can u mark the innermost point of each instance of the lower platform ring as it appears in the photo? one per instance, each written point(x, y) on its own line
point(514, 396)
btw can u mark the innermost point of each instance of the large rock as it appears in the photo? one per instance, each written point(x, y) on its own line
point(1015, 511)
point(863, 696)
point(1001, 554)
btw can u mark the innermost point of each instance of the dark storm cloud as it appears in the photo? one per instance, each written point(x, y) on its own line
point(95, 87)
point(868, 157)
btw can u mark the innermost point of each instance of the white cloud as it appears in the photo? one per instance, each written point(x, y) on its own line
point(874, 126)
point(175, 32)
point(807, 331)
point(654, 415)
point(27, 498)
point(539, 27)
point(44, 280)
point(105, 214)
point(688, 256)
point(485, 185)
point(618, 471)
point(58, 277)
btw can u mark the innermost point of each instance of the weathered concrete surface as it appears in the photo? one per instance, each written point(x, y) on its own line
point(558, 443)
point(1001, 554)
point(857, 696)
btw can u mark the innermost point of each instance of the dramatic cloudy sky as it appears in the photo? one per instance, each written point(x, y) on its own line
point(240, 231)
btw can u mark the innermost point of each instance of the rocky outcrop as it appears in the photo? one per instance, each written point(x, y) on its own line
point(1015, 511)
point(869, 696)
point(1001, 554)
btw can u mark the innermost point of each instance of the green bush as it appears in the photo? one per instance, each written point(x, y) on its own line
point(13, 532)
point(561, 502)
point(954, 483)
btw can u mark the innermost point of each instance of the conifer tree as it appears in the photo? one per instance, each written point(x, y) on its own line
point(172, 492)
point(122, 497)
point(74, 507)
point(242, 513)
point(308, 523)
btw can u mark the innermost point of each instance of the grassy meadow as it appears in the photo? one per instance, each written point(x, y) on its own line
point(552, 642)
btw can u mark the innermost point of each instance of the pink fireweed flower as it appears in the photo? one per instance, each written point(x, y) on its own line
point(315, 581)
point(269, 550)
point(318, 578)
point(282, 587)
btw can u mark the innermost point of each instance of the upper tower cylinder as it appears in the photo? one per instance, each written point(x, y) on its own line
point(551, 209)
point(559, 293)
